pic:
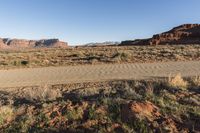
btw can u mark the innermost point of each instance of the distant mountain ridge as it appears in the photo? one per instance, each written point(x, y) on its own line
point(183, 34)
point(95, 44)
point(6, 43)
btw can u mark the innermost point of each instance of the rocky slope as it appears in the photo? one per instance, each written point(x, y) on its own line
point(184, 34)
point(6, 43)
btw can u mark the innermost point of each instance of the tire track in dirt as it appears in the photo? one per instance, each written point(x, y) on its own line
point(93, 73)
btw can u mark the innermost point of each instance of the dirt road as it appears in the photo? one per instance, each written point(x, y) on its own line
point(87, 73)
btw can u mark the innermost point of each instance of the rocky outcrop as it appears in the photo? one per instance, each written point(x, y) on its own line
point(147, 111)
point(135, 42)
point(184, 34)
point(2, 45)
point(50, 43)
point(22, 43)
point(140, 110)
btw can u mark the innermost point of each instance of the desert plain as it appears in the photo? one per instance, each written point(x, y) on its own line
point(130, 87)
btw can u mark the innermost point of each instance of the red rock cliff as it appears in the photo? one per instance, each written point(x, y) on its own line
point(184, 34)
point(21, 43)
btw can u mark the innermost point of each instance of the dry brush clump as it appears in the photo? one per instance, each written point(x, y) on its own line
point(196, 81)
point(177, 81)
point(42, 93)
point(6, 115)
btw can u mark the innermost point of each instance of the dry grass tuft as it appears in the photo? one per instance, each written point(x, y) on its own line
point(196, 81)
point(42, 93)
point(178, 81)
point(6, 114)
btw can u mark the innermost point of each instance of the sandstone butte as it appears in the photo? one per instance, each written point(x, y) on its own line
point(183, 34)
point(6, 43)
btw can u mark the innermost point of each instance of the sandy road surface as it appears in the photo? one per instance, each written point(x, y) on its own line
point(78, 74)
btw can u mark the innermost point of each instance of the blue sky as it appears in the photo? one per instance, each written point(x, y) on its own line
point(83, 21)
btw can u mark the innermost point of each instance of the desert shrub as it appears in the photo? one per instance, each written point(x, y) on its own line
point(24, 124)
point(86, 92)
point(128, 92)
point(140, 126)
point(16, 63)
point(19, 63)
point(178, 82)
point(121, 55)
point(6, 114)
point(42, 94)
point(149, 91)
point(77, 54)
point(75, 113)
point(24, 62)
point(97, 113)
point(196, 81)
point(114, 109)
point(91, 112)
